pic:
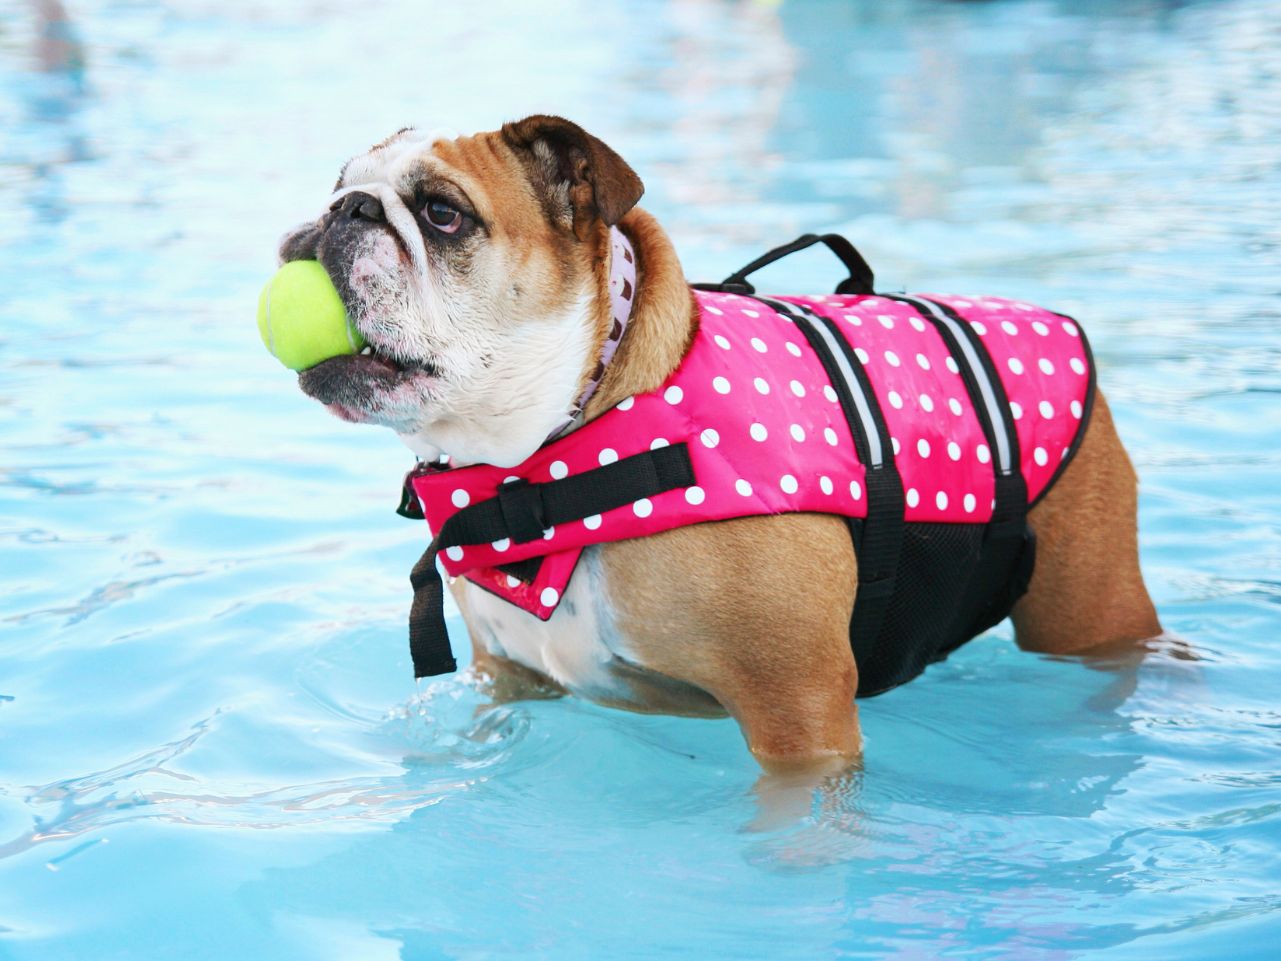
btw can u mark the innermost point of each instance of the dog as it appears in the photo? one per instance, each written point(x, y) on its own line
point(479, 271)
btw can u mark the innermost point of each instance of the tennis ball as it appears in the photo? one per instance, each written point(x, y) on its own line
point(302, 319)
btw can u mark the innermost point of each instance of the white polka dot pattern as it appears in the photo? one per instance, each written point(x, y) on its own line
point(1043, 365)
point(765, 432)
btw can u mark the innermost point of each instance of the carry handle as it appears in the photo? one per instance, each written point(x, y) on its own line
point(859, 281)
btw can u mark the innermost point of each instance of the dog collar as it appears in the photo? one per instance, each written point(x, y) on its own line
point(622, 291)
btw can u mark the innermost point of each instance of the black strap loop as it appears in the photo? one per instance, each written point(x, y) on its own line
point(428, 636)
point(522, 511)
point(521, 505)
point(859, 281)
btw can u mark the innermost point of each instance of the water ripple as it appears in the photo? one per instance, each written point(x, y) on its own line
point(162, 482)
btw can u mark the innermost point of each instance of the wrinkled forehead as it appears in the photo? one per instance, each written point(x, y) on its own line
point(394, 159)
point(478, 169)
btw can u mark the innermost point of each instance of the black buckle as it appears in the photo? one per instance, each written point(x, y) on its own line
point(524, 513)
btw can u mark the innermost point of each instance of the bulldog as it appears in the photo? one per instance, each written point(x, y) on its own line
point(485, 274)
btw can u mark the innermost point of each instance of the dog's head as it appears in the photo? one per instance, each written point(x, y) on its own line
point(475, 269)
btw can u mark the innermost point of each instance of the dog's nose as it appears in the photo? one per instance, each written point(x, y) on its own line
point(359, 206)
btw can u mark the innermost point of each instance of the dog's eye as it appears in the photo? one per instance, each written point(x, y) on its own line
point(443, 217)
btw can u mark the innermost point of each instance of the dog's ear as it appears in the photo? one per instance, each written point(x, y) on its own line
point(577, 175)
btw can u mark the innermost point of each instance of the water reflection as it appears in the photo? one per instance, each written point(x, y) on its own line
point(52, 95)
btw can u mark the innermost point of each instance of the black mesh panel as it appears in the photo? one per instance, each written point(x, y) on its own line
point(950, 586)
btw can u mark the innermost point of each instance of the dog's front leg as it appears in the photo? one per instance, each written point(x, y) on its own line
point(802, 727)
point(504, 680)
point(756, 612)
point(800, 719)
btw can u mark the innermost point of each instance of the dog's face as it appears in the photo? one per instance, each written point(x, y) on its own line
point(474, 268)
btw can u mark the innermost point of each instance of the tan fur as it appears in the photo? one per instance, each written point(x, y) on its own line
point(1086, 589)
point(493, 168)
point(756, 611)
point(752, 613)
point(597, 182)
point(664, 319)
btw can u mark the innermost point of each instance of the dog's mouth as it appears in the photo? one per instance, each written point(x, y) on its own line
point(372, 386)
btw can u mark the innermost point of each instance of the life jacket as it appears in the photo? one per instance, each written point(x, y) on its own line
point(930, 423)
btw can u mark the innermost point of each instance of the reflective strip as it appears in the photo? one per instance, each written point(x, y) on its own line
point(800, 313)
point(971, 360)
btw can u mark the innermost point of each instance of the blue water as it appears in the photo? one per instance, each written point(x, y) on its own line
point(210, 745)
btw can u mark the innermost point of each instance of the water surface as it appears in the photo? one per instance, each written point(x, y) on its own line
point(210, 745)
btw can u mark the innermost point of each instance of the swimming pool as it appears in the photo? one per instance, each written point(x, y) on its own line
point(210, 745)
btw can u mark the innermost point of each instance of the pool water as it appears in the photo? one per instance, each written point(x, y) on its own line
point(210, 742)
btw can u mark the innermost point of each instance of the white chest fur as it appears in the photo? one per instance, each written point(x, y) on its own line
point(575, 647)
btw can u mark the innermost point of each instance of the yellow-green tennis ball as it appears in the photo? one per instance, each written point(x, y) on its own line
point(302, 319)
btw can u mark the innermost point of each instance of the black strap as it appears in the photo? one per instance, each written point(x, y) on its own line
point(1009, 545)
point(428, 636)
point(1010, 513)
point(429, 645)
point(525, 570)
point(859, 281)
point(878, 537)
point(523, 510)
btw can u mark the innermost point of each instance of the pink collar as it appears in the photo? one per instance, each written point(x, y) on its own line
point(622, 291)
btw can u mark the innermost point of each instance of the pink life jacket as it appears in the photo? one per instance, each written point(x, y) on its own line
point(932, 423)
